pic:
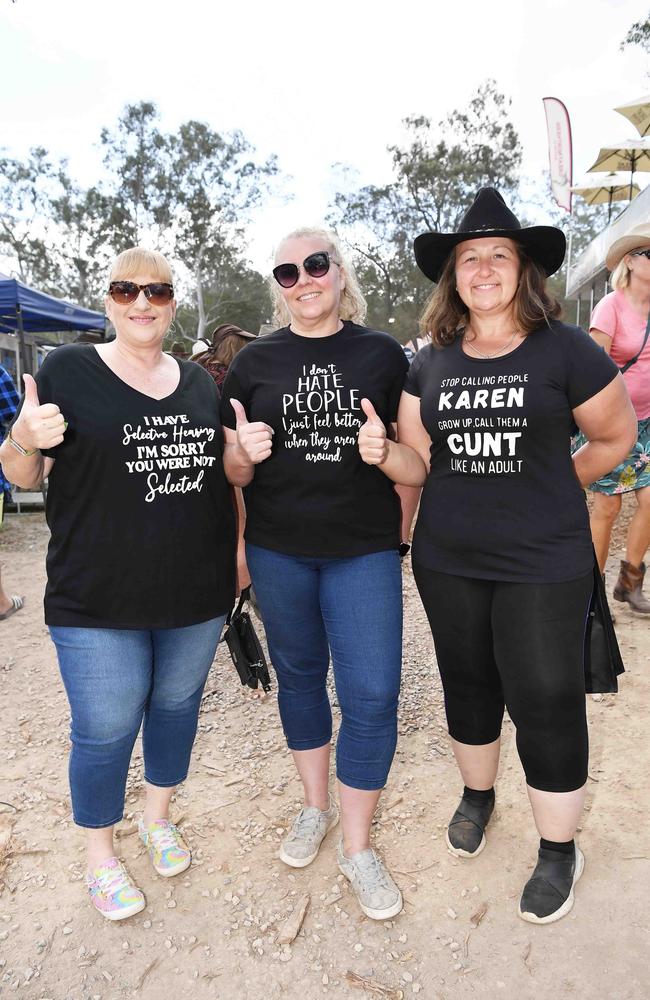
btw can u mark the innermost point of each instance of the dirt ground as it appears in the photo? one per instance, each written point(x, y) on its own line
point(213, 932)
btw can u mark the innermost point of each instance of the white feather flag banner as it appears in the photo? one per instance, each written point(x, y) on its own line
point(560, 151)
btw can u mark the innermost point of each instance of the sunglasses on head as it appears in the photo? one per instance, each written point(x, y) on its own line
point(159, 293)
point(316, 266)
point(642, 253)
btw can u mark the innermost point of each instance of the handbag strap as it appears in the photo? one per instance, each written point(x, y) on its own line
point(632, 361)
point(243, 597)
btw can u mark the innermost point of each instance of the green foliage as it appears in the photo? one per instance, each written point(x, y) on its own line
point(27, 232)
point(187, 193)
point(638, 34)
point(436, 174)
point(581, 227)
point(238, 295)
point(442, 167)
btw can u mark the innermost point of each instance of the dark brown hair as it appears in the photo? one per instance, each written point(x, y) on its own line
point(226, 343)
point(445, 313)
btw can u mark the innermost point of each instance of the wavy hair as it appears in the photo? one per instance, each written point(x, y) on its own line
point(352, 305)
point(139, 260)
point(445, 313)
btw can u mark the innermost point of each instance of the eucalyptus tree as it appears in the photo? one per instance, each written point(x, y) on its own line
point(188, 192)
point(27, 231)
point(436, 172)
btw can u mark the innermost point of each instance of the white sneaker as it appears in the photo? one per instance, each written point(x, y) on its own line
point(378, 896)
point(309, 828)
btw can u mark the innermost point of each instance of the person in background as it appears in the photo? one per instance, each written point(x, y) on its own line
point(322, 544)
point(9, 603)
point(502, 552)
point(620, 325)
point(216, 358)
point(141, 561)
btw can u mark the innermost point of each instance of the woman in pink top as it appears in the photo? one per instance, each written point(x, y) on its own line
point(619, 323)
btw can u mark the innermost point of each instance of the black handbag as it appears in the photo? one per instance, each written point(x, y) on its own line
point(603, 661)
point(245, 648)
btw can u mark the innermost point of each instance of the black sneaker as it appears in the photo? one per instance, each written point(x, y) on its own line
point(548, 893)
point(465, 834)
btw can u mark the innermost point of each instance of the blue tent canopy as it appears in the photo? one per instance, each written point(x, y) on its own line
point(35, 312)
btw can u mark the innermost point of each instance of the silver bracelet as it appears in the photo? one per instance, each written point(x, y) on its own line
point(19, 448)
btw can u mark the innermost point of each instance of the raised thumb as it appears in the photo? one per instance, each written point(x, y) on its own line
point(31, 391)
point(240, 412)
point(371, 413)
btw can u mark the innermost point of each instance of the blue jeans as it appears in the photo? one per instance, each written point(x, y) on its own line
point(115, 678)
point(351, 608)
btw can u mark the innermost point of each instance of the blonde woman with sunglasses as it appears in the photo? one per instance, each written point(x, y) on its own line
point(130, 441)
point(322, 544)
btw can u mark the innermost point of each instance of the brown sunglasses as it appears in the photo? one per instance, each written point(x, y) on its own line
point(159, 293)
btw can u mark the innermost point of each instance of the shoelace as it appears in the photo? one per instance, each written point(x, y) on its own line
point(112, 880)
point(164, 838)
point(372, 872)
point(304, 824)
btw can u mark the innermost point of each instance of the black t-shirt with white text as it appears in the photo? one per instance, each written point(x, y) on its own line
point(502, 500)
point(138, 505)
point(314, 496)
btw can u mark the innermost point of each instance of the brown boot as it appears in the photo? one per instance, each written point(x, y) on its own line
point(629, 587)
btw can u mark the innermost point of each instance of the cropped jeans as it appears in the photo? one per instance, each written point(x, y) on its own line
point(351, 609)
point(117, 680)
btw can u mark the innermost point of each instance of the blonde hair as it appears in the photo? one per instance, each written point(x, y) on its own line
point(445, 313)
point(620, 277)
point(138, 260)
point(352, 305)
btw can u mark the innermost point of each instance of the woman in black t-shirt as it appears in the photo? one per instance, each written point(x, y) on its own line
point(140, 563)
point(322, 534)
point(502, 553)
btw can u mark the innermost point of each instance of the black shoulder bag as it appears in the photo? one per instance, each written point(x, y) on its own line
point(245, 648)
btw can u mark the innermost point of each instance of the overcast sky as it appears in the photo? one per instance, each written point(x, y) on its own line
point(314, 82)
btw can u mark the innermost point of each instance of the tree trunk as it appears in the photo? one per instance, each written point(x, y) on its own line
point(200, 304)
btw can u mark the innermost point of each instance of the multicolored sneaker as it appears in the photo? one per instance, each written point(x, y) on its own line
point(169, 853)
point(112, 891)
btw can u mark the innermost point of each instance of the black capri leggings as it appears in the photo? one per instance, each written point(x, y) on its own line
point(520, 645)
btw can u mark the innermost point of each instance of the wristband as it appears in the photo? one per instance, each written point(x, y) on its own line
point(19, 448)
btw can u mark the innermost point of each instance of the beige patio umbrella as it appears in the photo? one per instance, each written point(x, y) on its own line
point(629, 155)
point(637, 112)
point(603, 189)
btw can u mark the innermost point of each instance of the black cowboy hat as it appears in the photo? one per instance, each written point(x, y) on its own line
point(488, 215)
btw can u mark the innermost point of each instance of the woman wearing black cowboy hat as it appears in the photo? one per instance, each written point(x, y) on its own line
point(502, 551)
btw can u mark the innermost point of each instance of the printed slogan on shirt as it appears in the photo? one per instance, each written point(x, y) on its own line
point(319, 417)
point(169, 453)
point(482, 441)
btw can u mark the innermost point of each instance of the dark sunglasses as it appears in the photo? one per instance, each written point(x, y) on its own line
point(159, 293)
point(316, 265)
point(641, 253)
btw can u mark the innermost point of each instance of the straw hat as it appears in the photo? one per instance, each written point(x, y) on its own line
point(638, 238)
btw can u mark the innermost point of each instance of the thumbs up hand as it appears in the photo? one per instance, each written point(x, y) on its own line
point(255, 439)
point(38, 426)
point(373, 443)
